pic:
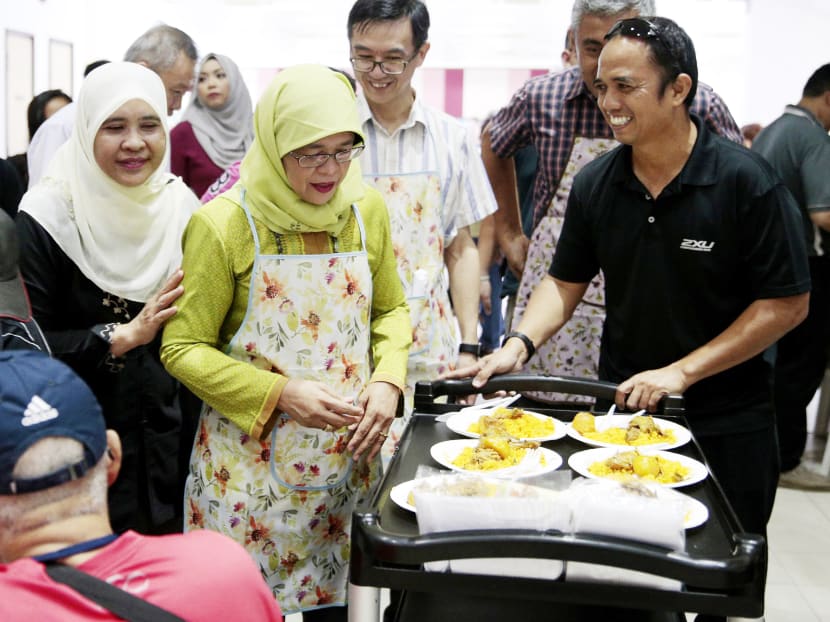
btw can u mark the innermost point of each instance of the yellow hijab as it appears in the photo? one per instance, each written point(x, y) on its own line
point(302, 104)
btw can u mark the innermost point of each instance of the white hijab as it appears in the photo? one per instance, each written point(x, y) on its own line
point(224, 134)
point(126, 240)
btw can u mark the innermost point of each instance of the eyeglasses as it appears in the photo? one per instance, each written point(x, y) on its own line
point(318, 159)
point(389, 67)
point(635, 27)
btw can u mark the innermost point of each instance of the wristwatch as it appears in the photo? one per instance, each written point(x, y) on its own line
point(470, 348)
point(531, 349)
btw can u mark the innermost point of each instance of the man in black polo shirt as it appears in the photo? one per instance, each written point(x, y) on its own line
point(704, 262)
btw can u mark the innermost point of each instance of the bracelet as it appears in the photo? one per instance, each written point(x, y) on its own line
point(531, 349)
point(470, 348)
point(484, 277)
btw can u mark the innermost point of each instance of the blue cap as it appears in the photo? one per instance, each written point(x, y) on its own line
point(41, 397)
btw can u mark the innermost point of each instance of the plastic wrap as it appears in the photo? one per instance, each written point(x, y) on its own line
point(631, 511)
point(456, 502)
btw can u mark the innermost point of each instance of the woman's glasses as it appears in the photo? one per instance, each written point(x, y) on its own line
point(318, 159)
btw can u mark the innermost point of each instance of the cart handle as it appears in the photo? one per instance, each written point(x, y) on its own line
point(427, 392)
point(735, 571)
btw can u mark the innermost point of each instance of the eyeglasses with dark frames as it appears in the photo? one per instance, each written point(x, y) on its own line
point(389, 67)
point(319, 159)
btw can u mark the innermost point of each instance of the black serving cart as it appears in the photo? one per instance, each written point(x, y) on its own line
point(722, 570)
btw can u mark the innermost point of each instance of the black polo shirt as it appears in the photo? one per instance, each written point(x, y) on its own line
point(680, 269)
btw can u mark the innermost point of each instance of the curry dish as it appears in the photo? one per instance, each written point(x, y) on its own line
point(493, 453)
point(512, 422)
point(641, 430)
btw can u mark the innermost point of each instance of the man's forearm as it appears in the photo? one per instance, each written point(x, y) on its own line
point(502, 175)
point(551, 305)
point(461, 257)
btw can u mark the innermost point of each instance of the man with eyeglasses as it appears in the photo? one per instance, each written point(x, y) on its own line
point(558, 114)
point(704, 260)
point(429, 170)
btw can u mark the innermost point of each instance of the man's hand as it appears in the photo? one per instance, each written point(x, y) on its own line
point(466, 361)
point(515, 248)
point(485, 291)
point(507, 359)
point(646, 389)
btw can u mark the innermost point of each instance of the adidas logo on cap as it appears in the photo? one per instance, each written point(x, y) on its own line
point(38, 411)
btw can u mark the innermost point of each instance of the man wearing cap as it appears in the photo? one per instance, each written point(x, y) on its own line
point(18, 329)
point(56, 460)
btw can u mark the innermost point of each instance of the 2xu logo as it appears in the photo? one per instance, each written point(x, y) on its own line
point(697, 245)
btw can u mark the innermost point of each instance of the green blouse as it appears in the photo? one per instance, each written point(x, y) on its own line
point(217, 264)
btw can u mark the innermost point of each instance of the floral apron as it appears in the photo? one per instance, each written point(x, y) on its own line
point(574, 350)
point(289, 499)
point(414, 202)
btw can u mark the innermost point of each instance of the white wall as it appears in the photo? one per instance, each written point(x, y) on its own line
point(755, 53)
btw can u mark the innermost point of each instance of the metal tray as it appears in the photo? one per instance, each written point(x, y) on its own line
point(722, 570)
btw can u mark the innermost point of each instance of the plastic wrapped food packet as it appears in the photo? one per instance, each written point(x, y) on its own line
point(631, 511)
point(457, 502)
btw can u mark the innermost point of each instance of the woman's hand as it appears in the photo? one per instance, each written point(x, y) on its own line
point(379, 401)
point(313, 405)
point(144, 327)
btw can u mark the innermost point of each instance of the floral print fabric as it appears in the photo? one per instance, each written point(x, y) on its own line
point(574, 350)
point(288, 499)
point(414, 204)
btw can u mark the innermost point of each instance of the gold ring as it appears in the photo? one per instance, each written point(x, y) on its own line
point(329, 428)
point(383, 435)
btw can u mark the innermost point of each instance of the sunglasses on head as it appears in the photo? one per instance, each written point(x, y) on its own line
point(635, 27)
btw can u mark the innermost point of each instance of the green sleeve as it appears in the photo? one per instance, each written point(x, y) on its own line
point(211, 308)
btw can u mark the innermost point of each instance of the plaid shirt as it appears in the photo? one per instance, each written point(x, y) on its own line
point(550, 111)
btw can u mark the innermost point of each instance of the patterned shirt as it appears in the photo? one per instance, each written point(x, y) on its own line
point(549, 111)
point(431, 140)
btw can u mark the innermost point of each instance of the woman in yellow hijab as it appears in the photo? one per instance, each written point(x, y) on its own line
point(294, 331)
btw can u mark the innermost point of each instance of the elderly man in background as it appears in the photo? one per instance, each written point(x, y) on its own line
point(166, 50)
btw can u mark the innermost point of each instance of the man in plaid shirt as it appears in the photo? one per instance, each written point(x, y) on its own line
point(558, 114)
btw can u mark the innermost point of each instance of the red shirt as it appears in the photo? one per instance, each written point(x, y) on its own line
point(201, 576)
point(189, 161)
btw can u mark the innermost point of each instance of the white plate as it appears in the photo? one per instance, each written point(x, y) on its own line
point(581, 460)
point(461, 421)
point(447, 451)
point(603, 423)
point(696, 512)
point(400, 494)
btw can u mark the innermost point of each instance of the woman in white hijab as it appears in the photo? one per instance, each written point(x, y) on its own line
point(100, 255)
point(217, 127)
